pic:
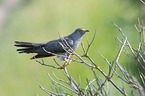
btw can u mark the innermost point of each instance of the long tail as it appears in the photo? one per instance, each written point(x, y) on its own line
point(25, 47)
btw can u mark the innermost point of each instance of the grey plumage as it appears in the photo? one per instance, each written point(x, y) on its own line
point(73, 40)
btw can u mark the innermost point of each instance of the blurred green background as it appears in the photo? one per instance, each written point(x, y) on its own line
point(41, 20)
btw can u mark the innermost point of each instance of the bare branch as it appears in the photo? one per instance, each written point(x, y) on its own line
point(142, 1)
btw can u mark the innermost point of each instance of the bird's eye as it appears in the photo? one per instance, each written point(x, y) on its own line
point(80, 30)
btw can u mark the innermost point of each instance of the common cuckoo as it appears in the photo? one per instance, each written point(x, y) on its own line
point(57, 47)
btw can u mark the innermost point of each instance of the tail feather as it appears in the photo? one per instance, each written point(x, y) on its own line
point(23, 44)
point(19, 42)
point(25, 47)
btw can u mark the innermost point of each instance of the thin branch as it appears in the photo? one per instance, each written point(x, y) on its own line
point(140, 64)
point(42, 63)
point(83, 47)
point(45, 90)
point(118, 88)
point(89, 85)
point(72, 81)
point(53, 53)
point(89, 44)
point(142, 1)
point(121, 50)
point(125, 37)
point(142, 77)
point(118, 56)
point(61, 84)
point(126, 52)
point(107, 62)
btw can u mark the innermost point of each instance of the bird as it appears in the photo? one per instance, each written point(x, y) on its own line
point(60, 47)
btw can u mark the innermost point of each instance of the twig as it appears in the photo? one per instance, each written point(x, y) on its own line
point(52, 53)
point(126, 52)
point(107, 63)
point(89, 85)
point(45, 90)
point(61, 84)
point(42, 63)
point(142, 1)
point(125, 37)
point(89, 44)
point(142, 77)
point(73, 83)
point(118, 56)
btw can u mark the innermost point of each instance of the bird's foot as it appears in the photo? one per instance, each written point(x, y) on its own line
point(66, 62)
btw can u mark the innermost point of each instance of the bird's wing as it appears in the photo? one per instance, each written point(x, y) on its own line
point(59, 46)
point(43, 49)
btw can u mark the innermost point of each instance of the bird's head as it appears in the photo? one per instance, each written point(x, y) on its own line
point(81, 30)
point(78, 33)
